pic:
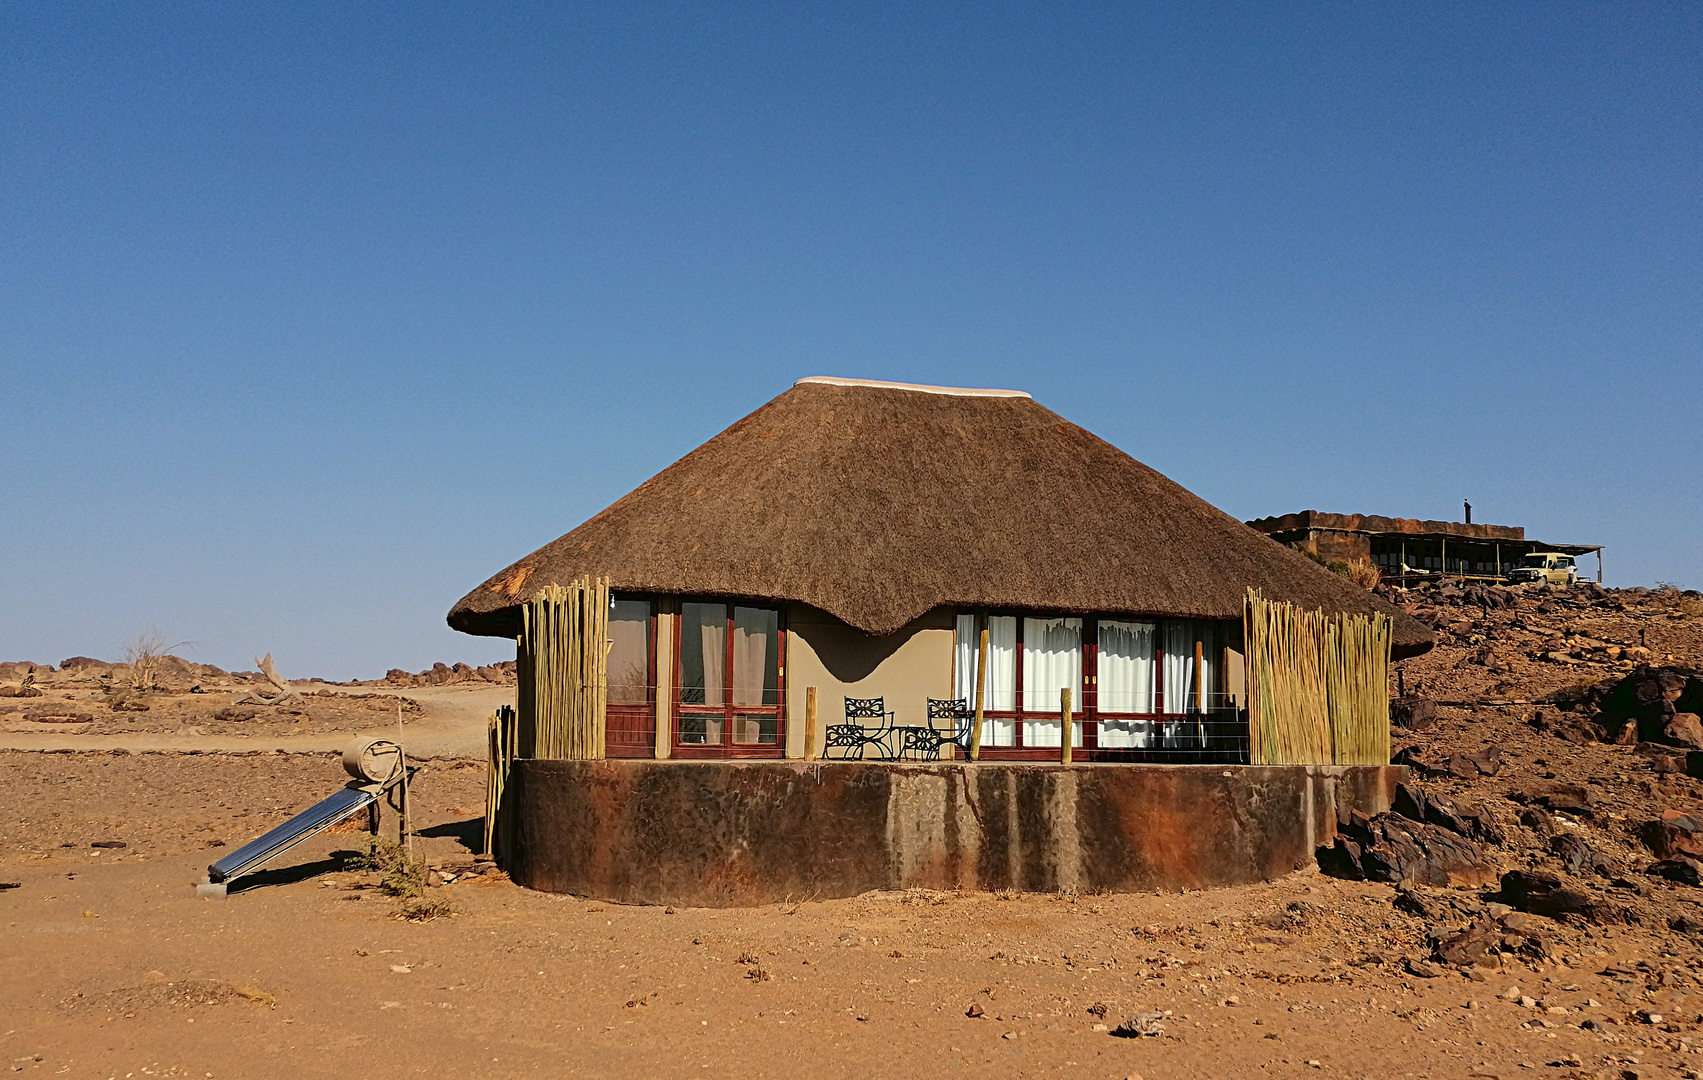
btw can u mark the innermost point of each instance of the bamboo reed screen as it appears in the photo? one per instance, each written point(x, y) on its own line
point(562, 671)
point(1318, 691)
point(502, 732)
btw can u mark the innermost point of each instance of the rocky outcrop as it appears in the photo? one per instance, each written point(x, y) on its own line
point(1423, 839)
point(442, 674)
point(1648, 705)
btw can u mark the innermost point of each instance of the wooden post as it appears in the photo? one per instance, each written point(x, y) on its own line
point(1200, 690)
point(981, 692)
point(1064, 720)
point(809, 723)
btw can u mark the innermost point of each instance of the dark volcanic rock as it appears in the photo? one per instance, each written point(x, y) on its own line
point(1649, 699)
point(1673, 836)
point(1466, 947)
point(1579, 857)
point(1543, 893)
point(1568, 797)
point(1413, 713)
point(1393, 848)
point(1683, 870)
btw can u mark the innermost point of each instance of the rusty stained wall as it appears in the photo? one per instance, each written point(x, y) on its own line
point(740, 833)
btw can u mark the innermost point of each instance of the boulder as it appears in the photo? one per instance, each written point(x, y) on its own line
point(1683, 870)
point(1674, 835)
point(1543, 893)
point(1413, 713)
point(1579, 857)
point(1481, 936)
point(1464, 819)
point(1485, 762)
point(1392, 848)
point(1685, 729)
point(1649, 698)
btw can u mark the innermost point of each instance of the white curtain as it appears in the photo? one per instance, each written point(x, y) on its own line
point(964, 661)
point(750, 650)
point(1125, 682)
point(1001, 681)
point(629, 653)
point(1052, 661)
point(1001, 690)
point(714, 659)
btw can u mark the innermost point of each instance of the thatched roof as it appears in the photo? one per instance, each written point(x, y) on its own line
point(878, 502)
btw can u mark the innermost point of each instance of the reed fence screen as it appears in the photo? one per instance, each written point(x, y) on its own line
point(502, 736)
point(1318, 685)
point(562, 668)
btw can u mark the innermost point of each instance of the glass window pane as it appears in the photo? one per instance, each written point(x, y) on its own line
point(759, 730)
point(1125, 677)
point(756, 656)
point(703, 653)
point(700, 729)
point(629, 652)
point(1052, 661)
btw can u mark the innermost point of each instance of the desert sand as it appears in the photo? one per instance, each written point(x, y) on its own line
point(116, 969)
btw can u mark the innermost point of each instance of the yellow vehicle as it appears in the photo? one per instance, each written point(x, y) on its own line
point(1547, 566)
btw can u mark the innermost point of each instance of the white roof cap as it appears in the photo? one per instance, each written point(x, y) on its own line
point(918, 388)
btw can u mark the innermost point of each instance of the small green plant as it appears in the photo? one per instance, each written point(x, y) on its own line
point(403, 876)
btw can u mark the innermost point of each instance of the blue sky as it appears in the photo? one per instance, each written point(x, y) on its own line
point(314, 316)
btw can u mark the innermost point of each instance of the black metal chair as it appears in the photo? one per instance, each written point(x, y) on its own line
point(958, 713)
point(920, 743)
point(854, 735)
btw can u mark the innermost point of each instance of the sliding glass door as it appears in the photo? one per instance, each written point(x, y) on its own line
point(728, 680)
point(630, 729)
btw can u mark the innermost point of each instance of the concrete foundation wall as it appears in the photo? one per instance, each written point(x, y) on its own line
point(741, 833)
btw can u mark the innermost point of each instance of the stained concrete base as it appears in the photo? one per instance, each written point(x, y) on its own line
point(716, 834)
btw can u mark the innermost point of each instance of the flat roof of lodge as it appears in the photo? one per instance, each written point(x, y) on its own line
point(1411, 528)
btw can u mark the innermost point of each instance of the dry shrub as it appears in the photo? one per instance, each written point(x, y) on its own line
point(1364, 574)
point(145, 654)
point(1684, 601)
point(424, 908)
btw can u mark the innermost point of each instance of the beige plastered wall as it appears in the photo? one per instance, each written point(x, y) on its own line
point(906, 668)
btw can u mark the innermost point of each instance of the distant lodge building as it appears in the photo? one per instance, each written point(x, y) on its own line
point(1403, 547)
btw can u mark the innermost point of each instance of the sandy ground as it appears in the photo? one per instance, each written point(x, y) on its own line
point(115, 969)
point(437, 720)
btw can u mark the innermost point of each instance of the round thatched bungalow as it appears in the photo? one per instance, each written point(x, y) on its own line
point(857, 536)
point(858, 539)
